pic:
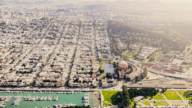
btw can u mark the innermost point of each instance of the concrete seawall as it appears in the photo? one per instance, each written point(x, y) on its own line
point(46, 90)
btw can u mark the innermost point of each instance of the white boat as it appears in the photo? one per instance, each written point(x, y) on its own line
point(37, 98)
point(49, 98)
point(55, 98)
point(60, 105)
point(16, 102)
point(71, 104)
point(65, 105)
point(32, 99)
point(45, 98)
point(40, 99)
point(55, 106)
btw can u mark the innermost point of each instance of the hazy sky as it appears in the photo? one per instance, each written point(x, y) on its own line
point(179, 1)
point(167, 1)
point(184, 1)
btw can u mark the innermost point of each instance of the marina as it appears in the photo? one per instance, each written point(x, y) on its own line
point(25, 99)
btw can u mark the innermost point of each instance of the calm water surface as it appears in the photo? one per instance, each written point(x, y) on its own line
point(64, 99)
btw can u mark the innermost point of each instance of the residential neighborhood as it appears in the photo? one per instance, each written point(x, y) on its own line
point(99, 54)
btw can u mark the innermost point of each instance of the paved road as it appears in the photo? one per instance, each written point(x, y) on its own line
point(118, 87)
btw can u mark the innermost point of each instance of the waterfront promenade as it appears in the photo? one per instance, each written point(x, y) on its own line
point(118, 87)
point(59, 89)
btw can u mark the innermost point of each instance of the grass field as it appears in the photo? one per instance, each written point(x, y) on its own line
point(144, 60)
point(160, 103)
point(125, 52)
point(146, 102)
point(172, 95)
point(181, 92)
point(131, 103)
point(131, 57)
point(189, 59)
point(102, 75)
point(105, 103)
point(130, 54)
point(158, 96)
point(153, 55)
point(190, 103)
point(138, 105)
point(110, 97)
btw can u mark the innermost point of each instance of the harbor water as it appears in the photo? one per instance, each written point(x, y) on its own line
point(64, 98)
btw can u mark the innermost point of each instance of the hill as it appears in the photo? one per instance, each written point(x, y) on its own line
point(128, 34)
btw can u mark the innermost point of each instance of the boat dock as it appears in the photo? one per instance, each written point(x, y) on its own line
point(86, 99)
point(57, 98)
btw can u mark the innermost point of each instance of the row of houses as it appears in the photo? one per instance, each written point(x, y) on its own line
point(145, 52)
point(109, 82)
point(56, 70)
point(102, 41)
point(85, 62)
point(24, 55)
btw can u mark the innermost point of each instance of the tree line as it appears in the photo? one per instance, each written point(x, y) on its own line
point(188, 94)
point(145, 92)
point(131, 93)
point(160, 40)
point(144, 74)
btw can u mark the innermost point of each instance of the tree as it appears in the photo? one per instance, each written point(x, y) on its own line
point(136, 78)
point(164, 90)
point(126, 96)
point(18, 80)
point(91, 71)
point(109, 75)
point(142, 92)
point(42, 65)
point(24, 65)
point(144, 74)
point(114, 65)
point(34, 82)
point(76, 80)
point(55, 85)
point(129, 66)
point(42, 85)
point(84, 81)
point(128, 79)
